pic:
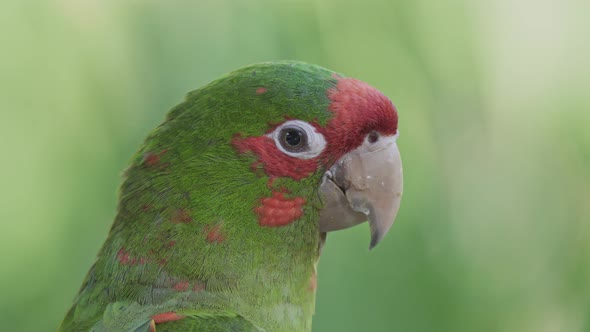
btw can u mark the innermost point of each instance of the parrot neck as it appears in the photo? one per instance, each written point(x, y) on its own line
point(221, 246)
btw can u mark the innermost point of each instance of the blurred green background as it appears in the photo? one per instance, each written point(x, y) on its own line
point(494, 102)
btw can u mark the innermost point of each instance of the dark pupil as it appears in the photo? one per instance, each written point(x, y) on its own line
point(293, 138)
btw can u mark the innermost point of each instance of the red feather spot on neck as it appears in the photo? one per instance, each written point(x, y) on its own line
point(358, 109)
point(198, 286)
point(166, 317)
point(260, 90)
point(214, 234)
point(273, 161)
point(151, 159)
point(278, 210)
point(125, 258)
point(181, 286)
point(181, 216)
point(313, 281)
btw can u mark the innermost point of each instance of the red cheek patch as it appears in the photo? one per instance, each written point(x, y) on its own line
point(277, 210)
point(274, 162)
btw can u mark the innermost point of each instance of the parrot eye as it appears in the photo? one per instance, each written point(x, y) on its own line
point(293, 139)
point(298, 139)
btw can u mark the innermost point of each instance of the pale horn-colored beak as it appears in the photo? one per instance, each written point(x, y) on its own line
point(366, 183)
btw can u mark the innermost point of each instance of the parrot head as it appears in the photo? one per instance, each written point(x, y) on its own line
point(225, 207)
point(310, 142)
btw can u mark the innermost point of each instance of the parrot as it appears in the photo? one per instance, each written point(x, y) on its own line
point(225, 208)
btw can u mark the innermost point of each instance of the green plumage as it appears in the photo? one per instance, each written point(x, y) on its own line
point(163, 254)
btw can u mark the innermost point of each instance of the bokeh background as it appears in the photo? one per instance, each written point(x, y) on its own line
point(494, 102)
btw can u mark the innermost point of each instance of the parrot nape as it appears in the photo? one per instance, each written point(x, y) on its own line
point(224, 209)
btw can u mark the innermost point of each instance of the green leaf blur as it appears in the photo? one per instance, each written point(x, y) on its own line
point(494, 102)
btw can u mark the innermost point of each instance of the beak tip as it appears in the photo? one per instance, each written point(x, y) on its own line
point(375, 239)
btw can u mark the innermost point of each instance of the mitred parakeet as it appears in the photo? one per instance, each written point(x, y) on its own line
point(225, 208)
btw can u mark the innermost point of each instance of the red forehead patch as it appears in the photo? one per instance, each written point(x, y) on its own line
point(358, 109)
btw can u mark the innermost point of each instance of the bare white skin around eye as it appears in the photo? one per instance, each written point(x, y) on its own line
point(316, 143)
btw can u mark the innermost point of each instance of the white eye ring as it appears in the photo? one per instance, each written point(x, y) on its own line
point(310, 142)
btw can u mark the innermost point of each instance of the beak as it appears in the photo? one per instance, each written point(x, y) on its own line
point(365, 184)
